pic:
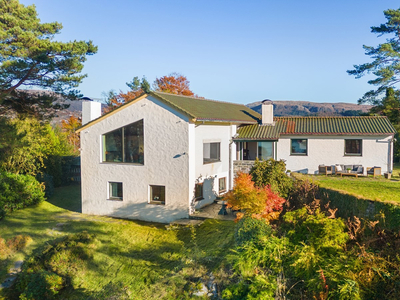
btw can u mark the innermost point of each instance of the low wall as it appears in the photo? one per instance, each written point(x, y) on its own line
point(243, 166)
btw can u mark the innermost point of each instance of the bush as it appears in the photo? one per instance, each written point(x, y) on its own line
point(303, 193)
point(272, 173)
point(18, 191)
point(40, 285)
point(250, 230)
point(253, 201)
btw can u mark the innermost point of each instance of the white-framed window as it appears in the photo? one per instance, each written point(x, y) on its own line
point(298, 147)
point(353, 147)
point(211, 152)
point(222, 185)
point(125, 144)
point(157, 194)
point(115, 191)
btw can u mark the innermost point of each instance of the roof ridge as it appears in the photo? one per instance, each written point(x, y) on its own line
point(196, 98)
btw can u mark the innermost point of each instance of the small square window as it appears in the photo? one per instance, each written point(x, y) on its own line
point(211, 152)
point(298, 147)
point(222, 184)
point(157, 194)
point(198, 191)
point(115, 190)
point(353, 147)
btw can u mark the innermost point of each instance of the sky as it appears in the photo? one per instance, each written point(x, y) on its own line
point(237, 51)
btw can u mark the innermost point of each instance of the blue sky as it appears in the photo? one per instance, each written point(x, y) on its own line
point(238, 51)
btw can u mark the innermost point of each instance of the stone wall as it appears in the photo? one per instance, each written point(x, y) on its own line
point(243, 166)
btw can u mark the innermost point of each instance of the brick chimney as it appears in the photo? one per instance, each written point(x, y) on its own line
point(90, 110)
point(267, 112)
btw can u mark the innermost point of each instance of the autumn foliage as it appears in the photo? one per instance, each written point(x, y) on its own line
point(256, 202)
point(173, 84)
point(70, 126)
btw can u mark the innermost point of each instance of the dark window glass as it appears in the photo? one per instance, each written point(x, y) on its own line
point(112, 146)
point(115, 190)
point(222, 184)
point(125, 144)
point(211, 152)
point(133, 141)
point(353, 147)
point(157, 194)
point(265, 150)
point(299, 146)
point(198, 191)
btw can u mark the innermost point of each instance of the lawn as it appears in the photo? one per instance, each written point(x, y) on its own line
point(148, 260)
point(379, 188)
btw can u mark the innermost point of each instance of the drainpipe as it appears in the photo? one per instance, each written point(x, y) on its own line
point(389, 165)
point(230, 164)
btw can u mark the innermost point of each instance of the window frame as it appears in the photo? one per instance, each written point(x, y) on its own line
point(353, 154)
point(156, 202)
point(201, 196)
point(219, 185)
point(110, 189)
point(123, 148)
point(295, 153)
point(211, 160)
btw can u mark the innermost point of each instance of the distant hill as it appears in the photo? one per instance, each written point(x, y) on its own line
point(305, 108)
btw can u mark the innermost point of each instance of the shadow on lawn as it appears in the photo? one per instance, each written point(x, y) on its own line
point(67, 197)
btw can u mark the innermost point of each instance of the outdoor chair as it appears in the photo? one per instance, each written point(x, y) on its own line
point(374, 171)
point(322, 169)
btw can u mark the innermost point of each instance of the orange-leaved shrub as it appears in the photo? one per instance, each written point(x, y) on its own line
point(252, 201)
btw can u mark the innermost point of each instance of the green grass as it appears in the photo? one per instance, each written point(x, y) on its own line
point(150, 261)
point(378, 189)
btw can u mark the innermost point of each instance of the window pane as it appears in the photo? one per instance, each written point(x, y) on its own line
point(115, 190)
point(157, 194)
point(112, 146)
point(198, 194)
point(134, 143)
point(265, 150)
point(299, 146)
point(353, 146)
point(211, 152)
point(222, 184)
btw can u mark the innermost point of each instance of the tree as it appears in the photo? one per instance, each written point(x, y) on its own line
point(70, 126)
point(386, 63)
point(174, 83)
point(29, 57)
point(137, 88)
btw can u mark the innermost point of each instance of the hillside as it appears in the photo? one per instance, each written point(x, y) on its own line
point(305, 108)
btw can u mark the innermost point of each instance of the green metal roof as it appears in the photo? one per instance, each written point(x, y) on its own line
point(210, 110)
point(376, 125)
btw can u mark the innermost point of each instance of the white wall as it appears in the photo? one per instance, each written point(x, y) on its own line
point(166, 162)
point(329, 150)
point(210, 173)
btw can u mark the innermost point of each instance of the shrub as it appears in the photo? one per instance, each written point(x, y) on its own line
point(253, 201)
point(303, 193)
point(18, 191)
point(272, 173)
point(40, 285)
point(249, 230)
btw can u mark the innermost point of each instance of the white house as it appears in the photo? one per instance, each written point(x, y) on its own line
point(160, 156)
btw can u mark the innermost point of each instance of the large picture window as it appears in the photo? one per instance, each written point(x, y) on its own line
point(353, 147)
point(211, 152)
point(125, 144)
point(298, 147)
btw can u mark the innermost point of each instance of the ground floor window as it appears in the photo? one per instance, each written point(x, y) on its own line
point(222, 184)
point(353, 147)
point(115, 190)
point(198, 191)
point(157, 194)
point(262, 150)
point(298, 147)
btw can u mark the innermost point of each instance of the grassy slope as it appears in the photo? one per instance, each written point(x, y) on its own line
point(148, 259)
point(379, 188)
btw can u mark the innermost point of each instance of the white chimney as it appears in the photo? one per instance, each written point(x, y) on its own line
point(267, 112)
point(90, 110)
